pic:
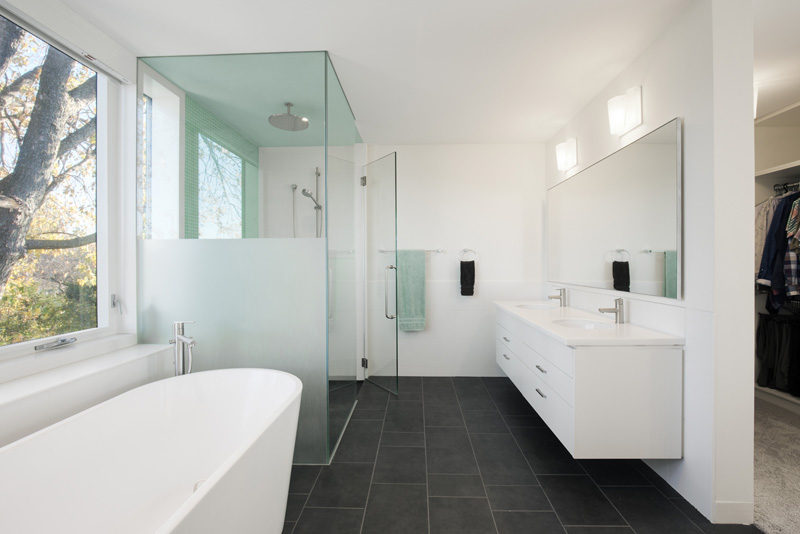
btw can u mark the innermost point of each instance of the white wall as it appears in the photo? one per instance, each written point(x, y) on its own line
point(699, 70)
point(485, 197)
point(279, 168)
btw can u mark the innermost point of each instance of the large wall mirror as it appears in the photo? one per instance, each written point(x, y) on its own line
point(617, 224)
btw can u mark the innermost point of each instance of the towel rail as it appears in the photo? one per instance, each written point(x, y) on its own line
point(432, 250)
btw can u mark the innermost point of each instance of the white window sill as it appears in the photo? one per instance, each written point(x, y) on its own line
point(26, 363)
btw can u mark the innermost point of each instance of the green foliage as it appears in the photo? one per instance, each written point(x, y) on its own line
point(29, 313)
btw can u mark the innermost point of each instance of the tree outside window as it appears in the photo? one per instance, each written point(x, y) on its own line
point(48, 189)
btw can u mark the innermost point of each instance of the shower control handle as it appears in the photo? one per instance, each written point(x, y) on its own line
point(386, 291)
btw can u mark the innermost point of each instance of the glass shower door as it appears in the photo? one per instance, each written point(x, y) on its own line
point(381, 260)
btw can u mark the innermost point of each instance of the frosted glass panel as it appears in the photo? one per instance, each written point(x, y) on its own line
point(256, 303)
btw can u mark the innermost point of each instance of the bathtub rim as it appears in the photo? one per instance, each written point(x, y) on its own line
point(175, 518)
point(182, 511)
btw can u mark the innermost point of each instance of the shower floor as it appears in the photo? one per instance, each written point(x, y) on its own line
point(469, 455)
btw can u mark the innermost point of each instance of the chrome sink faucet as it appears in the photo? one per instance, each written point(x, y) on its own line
point(561, 297)
point(618, 310)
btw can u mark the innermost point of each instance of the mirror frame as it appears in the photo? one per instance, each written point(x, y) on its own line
point(679, 215)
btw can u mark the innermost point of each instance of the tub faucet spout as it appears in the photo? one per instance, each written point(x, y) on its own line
point(183, 348)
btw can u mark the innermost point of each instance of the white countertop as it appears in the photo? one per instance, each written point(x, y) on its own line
point(618, 335)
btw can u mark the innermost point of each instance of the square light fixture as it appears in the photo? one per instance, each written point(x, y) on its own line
point(625, 111)
point(567, 154)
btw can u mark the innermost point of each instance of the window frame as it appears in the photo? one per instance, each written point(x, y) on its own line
point(108, 119)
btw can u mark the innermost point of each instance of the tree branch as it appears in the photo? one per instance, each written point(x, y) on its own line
point(54, 244)
point(85, 91)
point(73, 139)
point(17, 83)
point(10, 37)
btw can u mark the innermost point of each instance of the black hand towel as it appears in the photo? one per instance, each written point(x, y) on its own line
point(622, 275)
point(468, 278)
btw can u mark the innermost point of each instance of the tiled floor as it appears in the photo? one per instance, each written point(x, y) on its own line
point(469, 455)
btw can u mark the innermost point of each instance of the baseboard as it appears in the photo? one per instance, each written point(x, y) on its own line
point(733, 512)
point(779, 398)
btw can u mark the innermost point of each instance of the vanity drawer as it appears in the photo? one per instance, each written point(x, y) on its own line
point(548, 373)
point(508, 361)
point(508, 321)
point(562, 356)
point(556, 413)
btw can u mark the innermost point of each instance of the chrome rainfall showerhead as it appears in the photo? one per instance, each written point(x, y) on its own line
point(288, 121)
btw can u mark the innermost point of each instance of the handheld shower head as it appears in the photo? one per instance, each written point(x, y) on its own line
point(307, 193)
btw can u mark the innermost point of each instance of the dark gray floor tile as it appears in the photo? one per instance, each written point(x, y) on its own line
point(545, 453)
point(449, 451)
point(396, 509)
point(455, 486)
point(303, 477)
point(615, 472)
point(527, 522)
point(518, 498)
point(656, 480)
point(707, 526)
point(438, 390)
point(649, 512)
point(360, 442)
point(443, 415)
point(402, 439)
point(472, 394)
point(329, 521)
point(342, 485)
point(288, 526)
point(485, 422)
point(578, 501)
point(371, 397)
point(460, 516)
point(362, 414)
point(294, 504)
point(400, 465)
point(509, 401)
point(497, 382)
point(410, 388)
point(500, 460)
point(600, 530)
point(524, 421)
point(403, 416)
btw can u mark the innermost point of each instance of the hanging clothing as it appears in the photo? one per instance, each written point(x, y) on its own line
point(793, 226)
point(778, 352)
point(764, 213)
point(771, 273)
point(790, 273)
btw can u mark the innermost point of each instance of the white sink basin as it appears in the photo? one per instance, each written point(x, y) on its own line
point(584, 324)
point(538, 305)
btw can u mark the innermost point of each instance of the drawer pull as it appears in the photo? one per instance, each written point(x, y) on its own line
point(543, 371)
point(542, 395)
point(506, 339)
point(506, 357)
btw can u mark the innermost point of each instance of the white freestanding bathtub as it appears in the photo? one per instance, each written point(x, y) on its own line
point(208, 452)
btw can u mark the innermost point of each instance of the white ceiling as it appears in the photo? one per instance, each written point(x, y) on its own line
point(419, 71)
point(777, 54)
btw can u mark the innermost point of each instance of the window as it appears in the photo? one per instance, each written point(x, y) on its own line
point(48, 189)
point(219, 184)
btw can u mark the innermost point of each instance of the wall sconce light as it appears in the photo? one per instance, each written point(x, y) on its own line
point(567, 154)
point(625, 111)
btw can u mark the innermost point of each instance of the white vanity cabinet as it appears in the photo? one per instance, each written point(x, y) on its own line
point(613, 393)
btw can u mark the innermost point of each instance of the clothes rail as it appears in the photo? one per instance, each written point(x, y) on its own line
point(786, 187)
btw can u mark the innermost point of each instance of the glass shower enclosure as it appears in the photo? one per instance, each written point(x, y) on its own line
point(247, 222)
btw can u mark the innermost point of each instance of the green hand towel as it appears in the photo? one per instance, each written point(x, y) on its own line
point(671, 274)
point(411, 290)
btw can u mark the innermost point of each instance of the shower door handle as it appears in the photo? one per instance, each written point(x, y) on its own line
point(386, 291)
